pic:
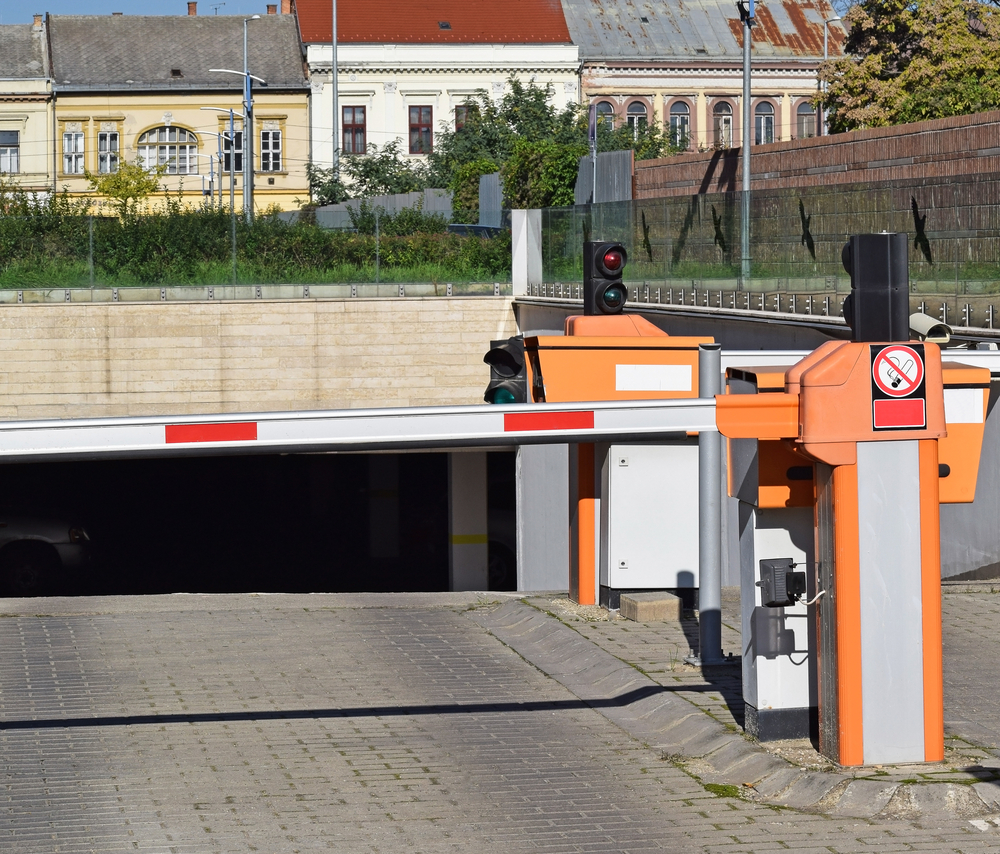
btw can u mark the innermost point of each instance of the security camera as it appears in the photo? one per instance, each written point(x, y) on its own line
point(927, 328)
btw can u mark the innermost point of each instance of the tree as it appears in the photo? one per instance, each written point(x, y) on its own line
point(910, 61)
point(381, 172)
point(125, 188)
point(541, 173)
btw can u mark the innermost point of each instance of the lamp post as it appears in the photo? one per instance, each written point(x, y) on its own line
point(336, 103)
point(247, 128)
point(747, 17)
point(247, 121)
point(826, 35)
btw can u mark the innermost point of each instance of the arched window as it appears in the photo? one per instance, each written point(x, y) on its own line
point(680, 125)
point(635, 115)
point(722, 121)
point(172, 147)
point(763, 124)
point(806, 121)
point(606, 113)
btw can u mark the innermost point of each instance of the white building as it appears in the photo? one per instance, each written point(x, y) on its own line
point(406, 69)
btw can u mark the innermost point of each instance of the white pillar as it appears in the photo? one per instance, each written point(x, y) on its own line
point(526, 251)
point(468, 553)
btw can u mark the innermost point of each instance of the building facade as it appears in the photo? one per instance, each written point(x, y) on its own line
point(682, 66)
point(405, 70)
point(159, 90)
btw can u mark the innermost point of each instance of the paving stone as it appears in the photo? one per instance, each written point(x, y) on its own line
point(864, 798)
point(650, 607)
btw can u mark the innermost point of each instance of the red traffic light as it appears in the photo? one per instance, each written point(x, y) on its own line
point(613, 259)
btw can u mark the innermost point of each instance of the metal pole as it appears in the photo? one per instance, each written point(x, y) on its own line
point(826, 38)
point(746, 15)
point(710, 515)
point(336, 104)
point(247, 129)
point(90, 236)
point(232, 187)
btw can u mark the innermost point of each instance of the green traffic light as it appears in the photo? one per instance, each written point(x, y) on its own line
point(503, 395)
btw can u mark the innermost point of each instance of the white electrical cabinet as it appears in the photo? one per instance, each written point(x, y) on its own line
point(649, 518)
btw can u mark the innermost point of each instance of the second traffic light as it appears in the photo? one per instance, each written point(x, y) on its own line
point(878, 306)
point(508, 377)
point(603, 289)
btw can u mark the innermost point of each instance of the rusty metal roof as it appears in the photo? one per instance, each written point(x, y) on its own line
point(699, 30)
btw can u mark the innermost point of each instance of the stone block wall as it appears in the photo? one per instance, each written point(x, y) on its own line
point(116, 359)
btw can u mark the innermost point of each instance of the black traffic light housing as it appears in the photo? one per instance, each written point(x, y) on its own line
point(603, 289)
point(508, 376)
point(878, 306)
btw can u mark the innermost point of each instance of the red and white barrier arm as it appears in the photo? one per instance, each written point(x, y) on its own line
point(354, 429)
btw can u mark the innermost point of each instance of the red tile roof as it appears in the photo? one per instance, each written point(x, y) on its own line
point(435, 21)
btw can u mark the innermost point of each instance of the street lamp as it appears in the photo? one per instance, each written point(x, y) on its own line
point(747, 17)
point(336, 104)
point(826, 34)
point(247, 121)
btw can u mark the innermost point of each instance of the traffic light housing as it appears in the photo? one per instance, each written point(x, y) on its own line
point(878, 306)
point(603, 289)
point(508, 375)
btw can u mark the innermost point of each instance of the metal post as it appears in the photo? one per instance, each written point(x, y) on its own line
point(232, 188)
point(746, 13)
point(247, 129)
point(826, 55)
point(90, 236)
point(336, 103)
point(709, 516)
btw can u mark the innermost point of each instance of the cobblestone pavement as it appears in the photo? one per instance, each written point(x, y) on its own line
point(355, 724)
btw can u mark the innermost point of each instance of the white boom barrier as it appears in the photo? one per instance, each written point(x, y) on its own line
point(409, 428)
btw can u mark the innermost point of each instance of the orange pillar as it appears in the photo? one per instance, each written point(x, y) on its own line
point(586, 533)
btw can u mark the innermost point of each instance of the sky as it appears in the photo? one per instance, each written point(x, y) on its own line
point(21, 12)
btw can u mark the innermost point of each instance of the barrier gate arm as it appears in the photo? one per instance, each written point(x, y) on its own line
point(353, 430)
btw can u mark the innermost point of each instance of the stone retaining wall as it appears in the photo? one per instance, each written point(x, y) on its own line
point(94, 360)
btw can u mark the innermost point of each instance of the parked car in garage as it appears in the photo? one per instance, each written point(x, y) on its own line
point(38, 553)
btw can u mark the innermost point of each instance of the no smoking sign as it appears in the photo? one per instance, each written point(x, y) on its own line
point(899, 396)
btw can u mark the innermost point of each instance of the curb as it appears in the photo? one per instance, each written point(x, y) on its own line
point(709, 750)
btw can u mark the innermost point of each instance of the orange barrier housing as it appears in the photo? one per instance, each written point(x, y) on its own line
point(841, 396)
point(605, 357)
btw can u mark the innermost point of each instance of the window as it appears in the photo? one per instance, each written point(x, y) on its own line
point(806, 121)
point(635, 115)
point(680, 125)
point(270, 151)
point(107, 152)
point(355, 141)
point(462, 113)
point(606, 114)
point(232, 150)
point(73, 153)
point(10, 151)
point(722, 121)
point(175, 148)
point(763, 124)
point(420, 130)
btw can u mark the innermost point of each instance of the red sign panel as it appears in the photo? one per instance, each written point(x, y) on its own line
point(519, 421)
point(899, 414)
point(245, 431)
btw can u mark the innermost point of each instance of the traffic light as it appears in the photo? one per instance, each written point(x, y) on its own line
point(878, 306)
point(603, 289)
point(508, 377)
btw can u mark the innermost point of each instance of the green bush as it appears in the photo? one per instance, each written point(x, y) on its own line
point(49, 245)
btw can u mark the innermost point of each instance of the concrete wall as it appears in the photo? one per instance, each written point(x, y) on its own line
point(92, 360)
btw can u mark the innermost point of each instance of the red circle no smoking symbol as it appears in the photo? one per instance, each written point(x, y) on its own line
point(898, 371)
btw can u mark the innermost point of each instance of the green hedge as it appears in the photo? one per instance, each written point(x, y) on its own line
point(44, 247)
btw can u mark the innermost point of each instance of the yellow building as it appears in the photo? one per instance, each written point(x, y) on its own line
point(25, 108)
point(159, 89)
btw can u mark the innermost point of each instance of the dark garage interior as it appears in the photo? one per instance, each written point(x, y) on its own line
point(269, 523)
